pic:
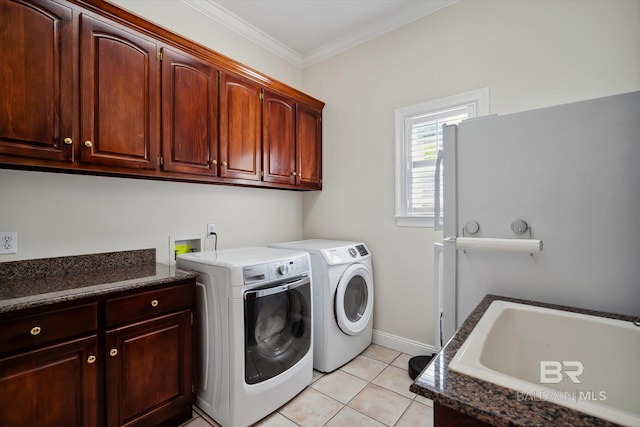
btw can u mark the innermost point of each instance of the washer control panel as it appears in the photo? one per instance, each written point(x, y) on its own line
point(275, 270)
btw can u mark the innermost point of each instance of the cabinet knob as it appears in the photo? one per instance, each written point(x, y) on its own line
point(214, 162)
point(224, 164)
point(154, 303)
point(91, 359)
point(36, 330)
point(113, 352)
point(294, 173)
point(68, 141)
point(88, 144)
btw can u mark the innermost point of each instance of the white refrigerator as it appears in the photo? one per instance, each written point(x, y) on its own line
point(551, 198)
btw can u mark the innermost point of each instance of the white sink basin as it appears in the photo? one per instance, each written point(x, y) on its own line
point(587, 363)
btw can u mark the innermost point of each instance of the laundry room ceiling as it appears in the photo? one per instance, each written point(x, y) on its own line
point(307, 31)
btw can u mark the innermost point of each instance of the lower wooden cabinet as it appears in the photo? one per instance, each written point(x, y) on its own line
point(447, 417)
point(55, 386)
point(149, 371)
point(124, 359)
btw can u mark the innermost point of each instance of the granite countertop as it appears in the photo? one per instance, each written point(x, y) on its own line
point(489, 402)
point(39, 282)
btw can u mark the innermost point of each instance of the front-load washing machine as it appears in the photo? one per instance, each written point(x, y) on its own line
point(254, 316)
point(343, 299)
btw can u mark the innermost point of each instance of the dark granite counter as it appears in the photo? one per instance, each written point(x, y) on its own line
point(40, 282)
point(489, 402)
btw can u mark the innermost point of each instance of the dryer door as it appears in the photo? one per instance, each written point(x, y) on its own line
point(353, 303)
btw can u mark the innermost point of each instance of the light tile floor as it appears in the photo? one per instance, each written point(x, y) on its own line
point(371, 390)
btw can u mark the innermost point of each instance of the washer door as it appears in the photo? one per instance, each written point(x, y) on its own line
point(353, 303)
point(277, 324)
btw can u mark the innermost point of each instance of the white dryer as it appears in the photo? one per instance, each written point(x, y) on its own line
point(254, 314)
point(343, 299)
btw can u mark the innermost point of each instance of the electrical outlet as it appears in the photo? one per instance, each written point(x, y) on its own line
point(211, 229)
point(8, 242)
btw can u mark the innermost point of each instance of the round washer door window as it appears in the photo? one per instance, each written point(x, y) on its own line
point(353, 304)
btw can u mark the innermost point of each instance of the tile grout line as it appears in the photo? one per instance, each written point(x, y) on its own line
point(371, 382)
point(345, 405)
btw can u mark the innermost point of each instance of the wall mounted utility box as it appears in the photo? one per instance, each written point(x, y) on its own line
point(184, 244)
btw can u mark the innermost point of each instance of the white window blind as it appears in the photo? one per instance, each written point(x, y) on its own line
point(424, 139)
point(418, 139)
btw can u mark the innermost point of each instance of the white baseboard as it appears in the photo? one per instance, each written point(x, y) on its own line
point(405, 345)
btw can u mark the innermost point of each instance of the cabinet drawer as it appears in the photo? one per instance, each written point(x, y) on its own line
point(145, 304)
point(47, 327)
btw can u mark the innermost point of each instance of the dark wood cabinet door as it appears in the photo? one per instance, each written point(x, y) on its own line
point(279, 138)
point(119, 96)
point(240, 128)
point(149, 371)
point(309, 146)
point(54, 386)
point(447, 417)
point(189, 115)
point(36, 80)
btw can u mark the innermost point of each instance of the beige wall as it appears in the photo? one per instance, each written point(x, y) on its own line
point(59, 214)
point(186, 21)
point(530, 54)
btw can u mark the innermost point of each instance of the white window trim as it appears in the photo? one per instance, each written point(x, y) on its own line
point(481, 99)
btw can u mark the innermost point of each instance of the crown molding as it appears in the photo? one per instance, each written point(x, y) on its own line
point(221, 15)
point(412, 12)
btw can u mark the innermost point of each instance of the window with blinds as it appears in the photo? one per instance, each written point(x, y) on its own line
point(418, 139)
point(424, 139)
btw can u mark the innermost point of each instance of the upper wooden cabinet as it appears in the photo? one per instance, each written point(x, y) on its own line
point(309, 146)
point(119, 96)
point(88, 87)
point(36, 80)
point(292, 142)
point(189, 114)
point(240, 128)
point(279, 140)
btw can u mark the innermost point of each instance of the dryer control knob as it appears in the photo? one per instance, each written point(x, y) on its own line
point(283, 269)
